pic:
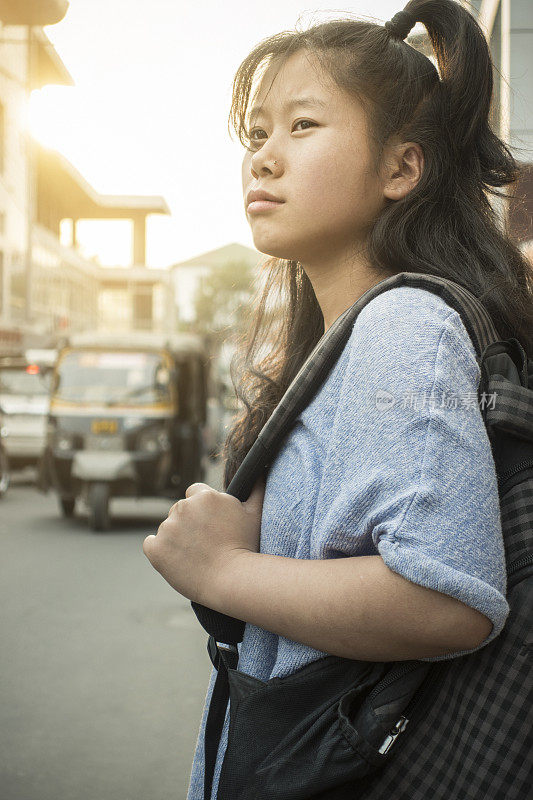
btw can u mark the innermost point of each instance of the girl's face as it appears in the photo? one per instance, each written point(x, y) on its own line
point(309, 149)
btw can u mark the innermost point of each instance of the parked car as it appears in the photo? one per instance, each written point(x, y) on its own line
point(4, 461)
point(24, 399)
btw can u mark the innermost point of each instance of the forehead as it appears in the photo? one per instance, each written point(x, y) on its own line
point(298, 76)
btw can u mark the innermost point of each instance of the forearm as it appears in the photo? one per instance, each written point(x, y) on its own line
point(354, 607)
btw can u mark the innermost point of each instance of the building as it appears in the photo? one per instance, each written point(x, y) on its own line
point(22, 69)
point(125, 298)
point(47, 288)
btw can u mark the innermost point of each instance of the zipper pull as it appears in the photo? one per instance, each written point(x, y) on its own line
point(393, 735)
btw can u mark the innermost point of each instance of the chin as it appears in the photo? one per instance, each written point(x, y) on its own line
point(276, 247)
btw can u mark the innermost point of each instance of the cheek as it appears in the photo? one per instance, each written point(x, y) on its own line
point(245, 171)
point(337, 183)
point(334, 188)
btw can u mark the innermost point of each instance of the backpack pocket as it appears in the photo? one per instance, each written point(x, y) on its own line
point(315, 730)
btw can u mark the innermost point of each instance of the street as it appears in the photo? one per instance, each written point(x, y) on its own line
point(104, 667)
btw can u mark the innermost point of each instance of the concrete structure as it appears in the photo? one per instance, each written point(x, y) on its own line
point(18, 76)
point(126, 298)
point(46, 287)
point(73, 198)
point(32, 12)
point(135, 298)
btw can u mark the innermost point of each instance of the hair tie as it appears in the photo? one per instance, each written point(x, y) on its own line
point(401, 23)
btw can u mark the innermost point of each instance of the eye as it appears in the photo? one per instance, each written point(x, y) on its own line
point(252, 137)
point(254, 131)
point(304, 122)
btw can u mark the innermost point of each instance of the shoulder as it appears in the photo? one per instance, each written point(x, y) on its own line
point(408, 340)
point(409, 320)
point(405, 304)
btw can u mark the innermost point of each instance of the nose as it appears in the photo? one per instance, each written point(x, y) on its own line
point(264, 163)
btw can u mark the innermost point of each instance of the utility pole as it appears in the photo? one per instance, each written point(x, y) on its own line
point(30, 174)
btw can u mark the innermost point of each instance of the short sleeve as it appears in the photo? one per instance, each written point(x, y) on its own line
point(409, 465)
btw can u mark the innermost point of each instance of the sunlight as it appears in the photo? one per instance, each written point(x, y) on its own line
point(46, 116)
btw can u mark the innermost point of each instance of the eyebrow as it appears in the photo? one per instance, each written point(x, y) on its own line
point(302, 102)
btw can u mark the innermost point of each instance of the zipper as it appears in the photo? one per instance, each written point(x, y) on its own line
point(522, 562)
point(401, 723)
point(403, 669)
point(505, 476)
point(413, 709)
point(393, 735)
point(517, 565)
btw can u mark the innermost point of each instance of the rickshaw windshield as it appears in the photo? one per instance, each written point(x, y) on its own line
point(29, 382)
point(113, 378)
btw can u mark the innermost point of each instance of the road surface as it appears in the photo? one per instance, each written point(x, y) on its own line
point(103, 665)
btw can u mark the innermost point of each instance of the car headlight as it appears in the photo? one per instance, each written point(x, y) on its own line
point(4, 431)
point(64, 441)
point(151, 441)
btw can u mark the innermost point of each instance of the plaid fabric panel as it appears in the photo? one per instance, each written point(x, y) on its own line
point(512, 407)
point(474, 736)
point(517, 520)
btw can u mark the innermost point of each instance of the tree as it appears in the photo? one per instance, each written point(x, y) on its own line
point(222, 299)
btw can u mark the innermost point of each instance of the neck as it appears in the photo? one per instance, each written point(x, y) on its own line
point(339, 282)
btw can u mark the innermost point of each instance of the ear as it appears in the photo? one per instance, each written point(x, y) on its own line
point(404, 166)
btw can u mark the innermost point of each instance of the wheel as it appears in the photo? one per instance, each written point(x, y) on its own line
point(98, 501)
point(4, 472)
point(67, 505)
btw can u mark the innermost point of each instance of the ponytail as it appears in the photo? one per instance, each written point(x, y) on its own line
point(466, 89)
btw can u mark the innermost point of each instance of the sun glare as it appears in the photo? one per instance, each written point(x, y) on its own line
point(46, 117)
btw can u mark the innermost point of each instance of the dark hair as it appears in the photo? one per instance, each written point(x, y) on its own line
point(445, 226)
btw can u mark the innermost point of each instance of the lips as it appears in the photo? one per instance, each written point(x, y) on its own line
point(259, 194)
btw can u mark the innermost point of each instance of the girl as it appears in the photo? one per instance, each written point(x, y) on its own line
point(377, 535)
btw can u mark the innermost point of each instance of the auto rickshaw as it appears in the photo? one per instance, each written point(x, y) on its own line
point(127, 417)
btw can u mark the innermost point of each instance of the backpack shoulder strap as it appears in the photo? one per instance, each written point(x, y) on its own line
point(320, 361)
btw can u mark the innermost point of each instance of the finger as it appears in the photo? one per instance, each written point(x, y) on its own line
point(148, 545)
point(195, 488)
point(172, 507)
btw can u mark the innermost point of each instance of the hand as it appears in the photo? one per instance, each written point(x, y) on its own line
point(202, 536)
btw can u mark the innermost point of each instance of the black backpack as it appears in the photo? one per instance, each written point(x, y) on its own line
point(458, 729)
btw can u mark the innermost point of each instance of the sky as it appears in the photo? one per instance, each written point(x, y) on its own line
point(148, 112)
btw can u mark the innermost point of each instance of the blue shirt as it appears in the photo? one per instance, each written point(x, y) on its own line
point(390, 458)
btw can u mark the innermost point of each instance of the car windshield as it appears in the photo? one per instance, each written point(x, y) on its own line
point(28, 381)
point(96, 376)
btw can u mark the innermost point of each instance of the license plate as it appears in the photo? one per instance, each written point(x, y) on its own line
point(104, 426)
point(99, 442)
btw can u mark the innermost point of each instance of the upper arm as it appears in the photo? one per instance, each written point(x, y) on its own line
point(415, 480)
